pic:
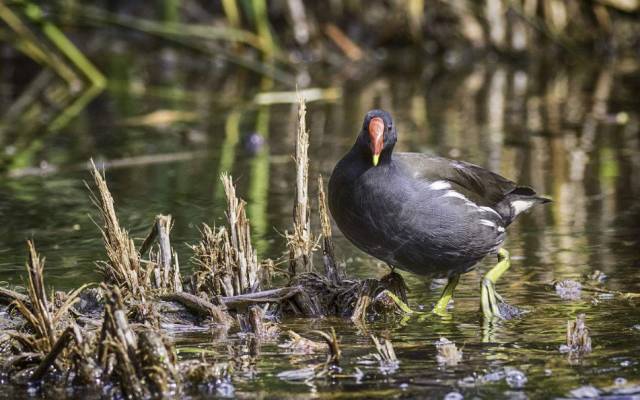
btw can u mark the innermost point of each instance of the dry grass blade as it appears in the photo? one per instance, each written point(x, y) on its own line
point(123, 268)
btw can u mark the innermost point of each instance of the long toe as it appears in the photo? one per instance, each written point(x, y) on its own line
point(490, 300)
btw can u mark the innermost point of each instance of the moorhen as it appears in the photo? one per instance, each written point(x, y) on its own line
point(424, 214)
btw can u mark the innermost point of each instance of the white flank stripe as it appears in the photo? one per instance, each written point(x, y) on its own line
point(490, 210)
point(440, 185)
point(453, 193)
point(488, 223)
point(521, 205)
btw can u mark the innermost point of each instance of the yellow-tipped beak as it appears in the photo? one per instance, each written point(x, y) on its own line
point(376, 134)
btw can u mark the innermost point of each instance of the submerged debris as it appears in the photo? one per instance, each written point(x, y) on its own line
point(300, 344)
point(333, 347)
point(597, 276)
point(568, 289)
point(386, 355)
point(585, 392)
point(578, 339)
point(448, 353)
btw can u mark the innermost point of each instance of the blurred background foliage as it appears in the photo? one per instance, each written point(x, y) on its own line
point(57, 56)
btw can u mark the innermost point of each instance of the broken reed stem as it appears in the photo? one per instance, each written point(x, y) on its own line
point(166, 271)
point(300, 242)
point(123, 268)
point(331, 268)
point(578, 339)
point(245, 258)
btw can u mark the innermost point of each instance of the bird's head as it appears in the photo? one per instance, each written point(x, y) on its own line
point(378, 135)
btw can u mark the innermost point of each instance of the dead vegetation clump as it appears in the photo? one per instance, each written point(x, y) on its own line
point(227, 264)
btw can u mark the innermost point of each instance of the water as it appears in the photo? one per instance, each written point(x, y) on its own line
point(570, 132)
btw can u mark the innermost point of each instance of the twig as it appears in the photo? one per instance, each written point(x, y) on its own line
point(200, 306)
point(7, 296)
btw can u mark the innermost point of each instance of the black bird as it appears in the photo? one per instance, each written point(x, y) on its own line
point(424, 214)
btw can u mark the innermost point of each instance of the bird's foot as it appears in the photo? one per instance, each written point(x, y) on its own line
point(490, 300)
point(493, 305)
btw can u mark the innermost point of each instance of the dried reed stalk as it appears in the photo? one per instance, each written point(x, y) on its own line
point(244, 256)
point(300, 242)
point(123, 268)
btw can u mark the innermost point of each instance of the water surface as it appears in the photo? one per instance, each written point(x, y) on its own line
point(570, 132)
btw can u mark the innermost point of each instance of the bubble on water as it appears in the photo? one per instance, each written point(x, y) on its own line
point(494, 376)
point(404, 386)
point(585, 392)
point(564, 348)
point(619, 381)
point(453, 396)
point(467, 381)
point(225, 389)
point(516, 379)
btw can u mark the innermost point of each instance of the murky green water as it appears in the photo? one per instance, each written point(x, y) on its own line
point(572, 133)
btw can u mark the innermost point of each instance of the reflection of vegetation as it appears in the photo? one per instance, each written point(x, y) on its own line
point(47, 101)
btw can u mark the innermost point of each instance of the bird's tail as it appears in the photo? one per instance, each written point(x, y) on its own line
point(518, 201)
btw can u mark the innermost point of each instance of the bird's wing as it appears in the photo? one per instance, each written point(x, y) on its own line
point(480, 185)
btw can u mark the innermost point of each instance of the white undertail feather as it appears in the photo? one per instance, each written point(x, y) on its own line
point(440, 185)
point(492, 224)
point(520, 205)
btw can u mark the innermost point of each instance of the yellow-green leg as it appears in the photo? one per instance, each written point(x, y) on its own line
point(441, 306)
point(488, 296)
